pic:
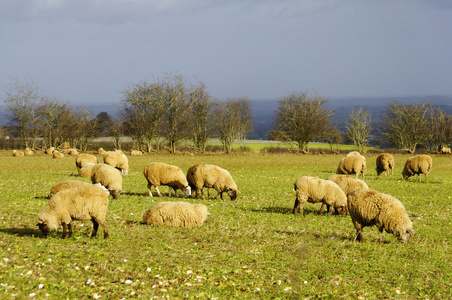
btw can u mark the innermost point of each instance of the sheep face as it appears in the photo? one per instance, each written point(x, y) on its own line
point(406, 236)
point(115, 194)
point(232, 194)
point(186, 190)
point(44, 228)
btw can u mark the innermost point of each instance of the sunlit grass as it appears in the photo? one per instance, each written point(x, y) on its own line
point(250, 248)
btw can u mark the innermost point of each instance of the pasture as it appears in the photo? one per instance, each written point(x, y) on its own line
point(252, 248)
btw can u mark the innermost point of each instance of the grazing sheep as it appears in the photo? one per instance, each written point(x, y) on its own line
point(101, 151)
point(71, 151)
point(347, 183)
point(28, 152)
point(50, 150)
point(313, 190)
point(134, 152)
point(212, 176)
point(87, 170)
point(445, 150)
point(117, 160)
point(354, 164)
point(370, 207)
point(68, 184)
point(418, 164)
point(385, 162)
point(158, 174)
point(353, 153)
point(18, 153)
point(176, 214)
point(107, 176)
point(57, 154)
point(81, 203)
point(84, 159)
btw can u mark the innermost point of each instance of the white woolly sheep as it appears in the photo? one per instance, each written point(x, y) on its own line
point(57, 154)
point(117, 160)
point(418, 164)
point(313, 190)
point(82, 203)
point(84, 159)
point(134, 152)
point(71, 151)
point(158, 174)
point(18, 153)
point(68, 184)
point(176, 214)
point(107, 176)
point(347, 183)
point(28, 152)
point(354, 164)
point(50, 150)
point(87, 170)
point(353, 153)
point(384, 163)
point(445, 150)
point(101, 151)
point(370, 207)
point(212, 176)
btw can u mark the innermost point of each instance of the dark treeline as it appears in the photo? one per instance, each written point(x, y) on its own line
point(162, 114)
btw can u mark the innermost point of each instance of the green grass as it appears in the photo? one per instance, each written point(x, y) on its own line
point(252, 248)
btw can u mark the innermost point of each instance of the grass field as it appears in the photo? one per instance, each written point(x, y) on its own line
point(252, 248)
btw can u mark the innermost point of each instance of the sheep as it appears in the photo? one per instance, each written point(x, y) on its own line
point(158, 174)
point(71, 151)
point(101, 151)
point(176, 214)
point(68, 184)
point(134, 152)
point(57, 154)
point(353, 153)
point(369, 207)
point(354, 164)
point(87, 170)
point(81, 203)
point(28, 152)
point(50, 150)
point(445, 150)
point(347, 183)
point(18, 153)
point(418, 164)
point(313, 189)
point(107, 176)
point(212, 176)
point(117, 160)
point(384, 163)
point(84, 159)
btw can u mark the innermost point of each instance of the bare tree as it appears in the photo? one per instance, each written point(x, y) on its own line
point(359, 127)
point(86, 128)
point(142, 110)
point(245, 118)
point(201, 118)
point(405, 126)
point(332, 135)
point(52, 116)
point(300, 120)
point(440, 125)
point(176, 117)
point(23, 100)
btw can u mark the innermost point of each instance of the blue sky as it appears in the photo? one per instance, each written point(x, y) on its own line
point(88, 51)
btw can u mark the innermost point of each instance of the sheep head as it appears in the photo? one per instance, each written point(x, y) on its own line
point(406, 236)
point(43, 227)
point(186, 190)
point(232, 194)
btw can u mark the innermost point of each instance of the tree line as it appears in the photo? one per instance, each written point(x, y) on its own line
point(171, 110)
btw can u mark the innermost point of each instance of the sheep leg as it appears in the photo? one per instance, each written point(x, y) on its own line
point(64, 230)
point(169, 192)
point(380, 235)
point(359, 230)
point(298, 207)
point(322, 208)
point(158, 192)
point(69, 227)
point(95, 227)
point(149, 189)
point(199, 193)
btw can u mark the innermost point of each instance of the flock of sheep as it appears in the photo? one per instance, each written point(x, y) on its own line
point(340, 193)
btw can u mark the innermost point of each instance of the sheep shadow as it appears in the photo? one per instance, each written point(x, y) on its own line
point(23, 232)
point(273, 209)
